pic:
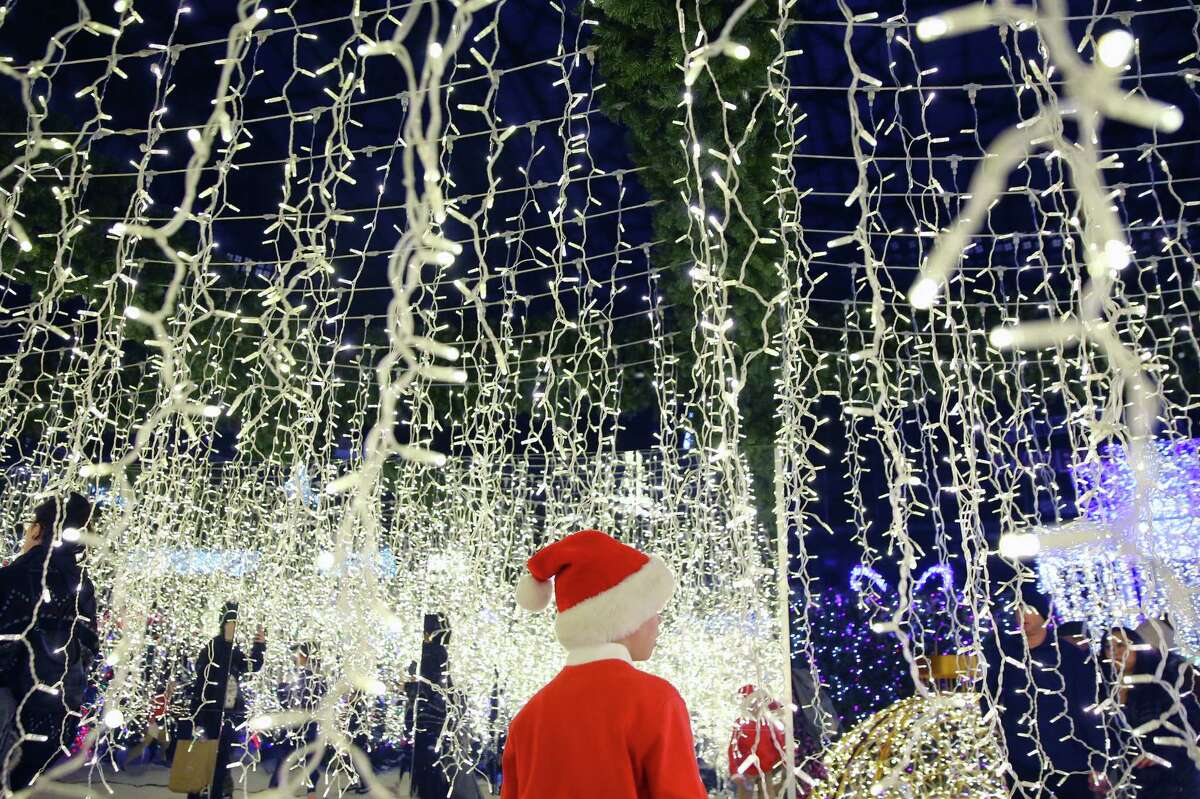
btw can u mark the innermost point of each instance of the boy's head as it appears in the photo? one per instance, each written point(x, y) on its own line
point(641, 642)
point(605, 591)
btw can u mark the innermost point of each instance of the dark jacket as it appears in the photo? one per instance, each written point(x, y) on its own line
point(219, 662)
point(1046, 705)
point(56, 619)
point(303, 692)
point(1146, 702)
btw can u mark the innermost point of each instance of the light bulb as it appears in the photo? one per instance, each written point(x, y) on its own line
point(1171, 119)
point(114, 719)
point(923, 293)
point(325, 561)
point(1117, 254)
point(1002, 337)
point(1115, 48)
point(932, 28)
point(740, 51)
point(1019, 546)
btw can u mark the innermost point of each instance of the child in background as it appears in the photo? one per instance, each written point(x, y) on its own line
point(757, 747)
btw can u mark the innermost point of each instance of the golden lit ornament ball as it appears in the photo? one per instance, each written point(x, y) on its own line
point(933, 747)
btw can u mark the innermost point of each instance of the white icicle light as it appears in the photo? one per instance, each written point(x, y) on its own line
point(1115, 48)
point(1019, 546)
point(924, 293)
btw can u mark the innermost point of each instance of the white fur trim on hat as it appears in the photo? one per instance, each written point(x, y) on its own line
point(533, 594)
point(613, 614)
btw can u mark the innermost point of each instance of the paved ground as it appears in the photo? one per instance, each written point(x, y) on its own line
point(150, 782)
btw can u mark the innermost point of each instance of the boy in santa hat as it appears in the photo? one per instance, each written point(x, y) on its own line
point(602, 728)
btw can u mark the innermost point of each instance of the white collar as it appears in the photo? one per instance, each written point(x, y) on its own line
point(590, 654)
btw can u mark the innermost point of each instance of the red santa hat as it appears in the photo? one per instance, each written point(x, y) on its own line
point(604, 589)
point(752, 698)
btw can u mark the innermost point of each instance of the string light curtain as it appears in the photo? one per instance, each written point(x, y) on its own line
point(416, 380)
point(419, 376)
point(1006, 303)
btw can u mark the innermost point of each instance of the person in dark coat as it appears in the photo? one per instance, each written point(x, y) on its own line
point(359, 728)
point(303, 693)
point(429, 780)
point(1056, 748)
point(1161, 771)
point(48, 607)
point(218, 707)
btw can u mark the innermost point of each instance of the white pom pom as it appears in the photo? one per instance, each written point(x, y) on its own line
point(532, 594)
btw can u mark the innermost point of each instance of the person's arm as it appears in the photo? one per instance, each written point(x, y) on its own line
point(16, 611)
point(670, 767)
point(201, 684)
point(257, 651)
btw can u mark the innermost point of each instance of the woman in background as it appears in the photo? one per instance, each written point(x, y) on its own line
point(1147, 679)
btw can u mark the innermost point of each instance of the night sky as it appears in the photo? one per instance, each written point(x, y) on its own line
point(529, 34)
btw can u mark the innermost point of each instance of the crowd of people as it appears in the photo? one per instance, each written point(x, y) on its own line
point(50, 665)
point(602, 727)
point(1051, 692)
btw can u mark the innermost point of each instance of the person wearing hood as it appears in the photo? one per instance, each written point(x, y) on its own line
point(1041, 688)
point(218, 707)
point(1146, 679)
point(48, 613)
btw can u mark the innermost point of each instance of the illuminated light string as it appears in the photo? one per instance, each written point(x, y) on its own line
point(959, 437)
point(350, 554)
point(1099, 580)
point(1093, 90)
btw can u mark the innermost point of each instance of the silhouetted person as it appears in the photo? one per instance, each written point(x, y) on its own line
point(302, 694)
point(217, 703)
point(48, 602)
point(1055, 747)
point(429, 779)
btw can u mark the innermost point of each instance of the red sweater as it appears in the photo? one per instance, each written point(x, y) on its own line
point(751, 737)
point(602, 730)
